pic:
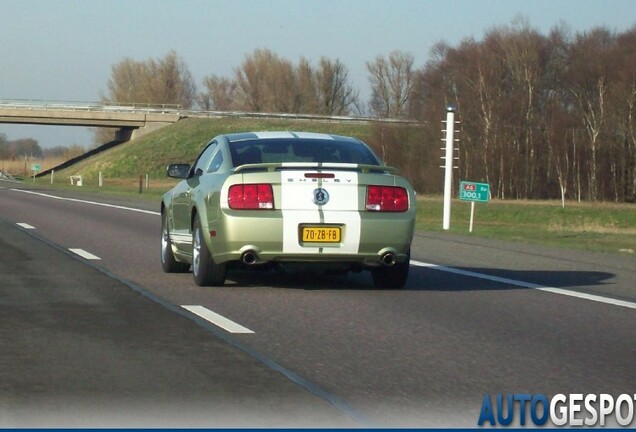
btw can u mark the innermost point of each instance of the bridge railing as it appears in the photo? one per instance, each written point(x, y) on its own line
point(32, 104)
point(147, 108)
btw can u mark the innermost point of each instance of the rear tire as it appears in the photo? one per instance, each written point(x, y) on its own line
point(204, 270)
point(393, 277)
point(168, 261)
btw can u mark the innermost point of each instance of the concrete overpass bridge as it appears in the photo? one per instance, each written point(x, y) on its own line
point(136, 120)
point(131, 120)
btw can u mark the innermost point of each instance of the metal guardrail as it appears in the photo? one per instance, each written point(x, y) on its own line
point(89, 106)
point(145, 108)
point(295, 116)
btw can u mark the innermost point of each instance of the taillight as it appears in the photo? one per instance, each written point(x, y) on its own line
point(251, 197)
point(387, 199)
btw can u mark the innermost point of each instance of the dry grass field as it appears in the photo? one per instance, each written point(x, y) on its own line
point(22, 167)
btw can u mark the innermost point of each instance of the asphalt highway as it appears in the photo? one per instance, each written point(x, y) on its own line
point(95, 334)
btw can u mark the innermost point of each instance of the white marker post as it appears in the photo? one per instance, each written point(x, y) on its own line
point(448, 170)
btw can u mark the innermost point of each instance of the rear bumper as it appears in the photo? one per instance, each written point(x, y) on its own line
point(270, 238)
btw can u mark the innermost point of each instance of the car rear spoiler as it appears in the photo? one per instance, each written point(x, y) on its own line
point(282, 166)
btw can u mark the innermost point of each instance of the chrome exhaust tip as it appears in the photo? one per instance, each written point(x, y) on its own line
point(249, 257)
point(388, 259)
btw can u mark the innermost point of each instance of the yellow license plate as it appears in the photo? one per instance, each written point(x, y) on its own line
point(323, 234)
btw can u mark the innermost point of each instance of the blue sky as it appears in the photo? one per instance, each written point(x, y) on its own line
point(63, 50)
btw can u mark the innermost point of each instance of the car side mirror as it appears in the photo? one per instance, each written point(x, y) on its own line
point(178, 171)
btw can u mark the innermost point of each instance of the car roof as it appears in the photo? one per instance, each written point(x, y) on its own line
point(245, 136)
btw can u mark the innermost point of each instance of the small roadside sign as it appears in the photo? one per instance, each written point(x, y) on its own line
point(471, 191)
point(35, 168)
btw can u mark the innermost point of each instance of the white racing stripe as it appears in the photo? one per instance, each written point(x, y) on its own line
point(25, 225)
point(84, 254)
point(313, 135)
point(88, 202)
point(561, 291)
point(273, 135)
point(298, 207)
point(217, 320)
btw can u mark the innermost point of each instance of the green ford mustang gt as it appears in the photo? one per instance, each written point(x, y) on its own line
point(270, 198)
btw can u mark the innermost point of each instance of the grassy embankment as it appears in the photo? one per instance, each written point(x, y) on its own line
point(121, 166)
point(600, 227)
point(604, 227)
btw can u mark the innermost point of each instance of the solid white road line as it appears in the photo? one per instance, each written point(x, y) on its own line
point(25, 225)
point(217, 320)
point(592, 297)
point(84, 254)
point(88, 202)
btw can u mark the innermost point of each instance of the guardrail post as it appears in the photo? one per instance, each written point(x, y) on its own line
point(52, 175)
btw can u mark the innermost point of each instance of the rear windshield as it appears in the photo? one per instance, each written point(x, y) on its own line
point(300, 150)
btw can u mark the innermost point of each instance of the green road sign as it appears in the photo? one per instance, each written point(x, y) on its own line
point(471, 191)
point(35, 167)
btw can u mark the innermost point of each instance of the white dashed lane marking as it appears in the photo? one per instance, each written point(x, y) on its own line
point(25, 225)
point(217, 320)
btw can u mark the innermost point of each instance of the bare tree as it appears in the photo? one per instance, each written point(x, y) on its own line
point(587, 80)
point(172, 82)
point(623, 96)
point(220, 94)
point(163, 81)
point(4, 152)
point(126, 81)
point(265, 82)
point(525, 56)
point(306, 99)
point(391, 84)
point(335, 93)
point(20, 147)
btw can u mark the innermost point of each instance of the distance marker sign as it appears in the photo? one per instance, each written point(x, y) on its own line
point(471, 191)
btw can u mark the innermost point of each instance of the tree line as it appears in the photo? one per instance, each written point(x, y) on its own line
point(266, 82)
point(542, 116)
point(30, 148)
point(16, 149)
